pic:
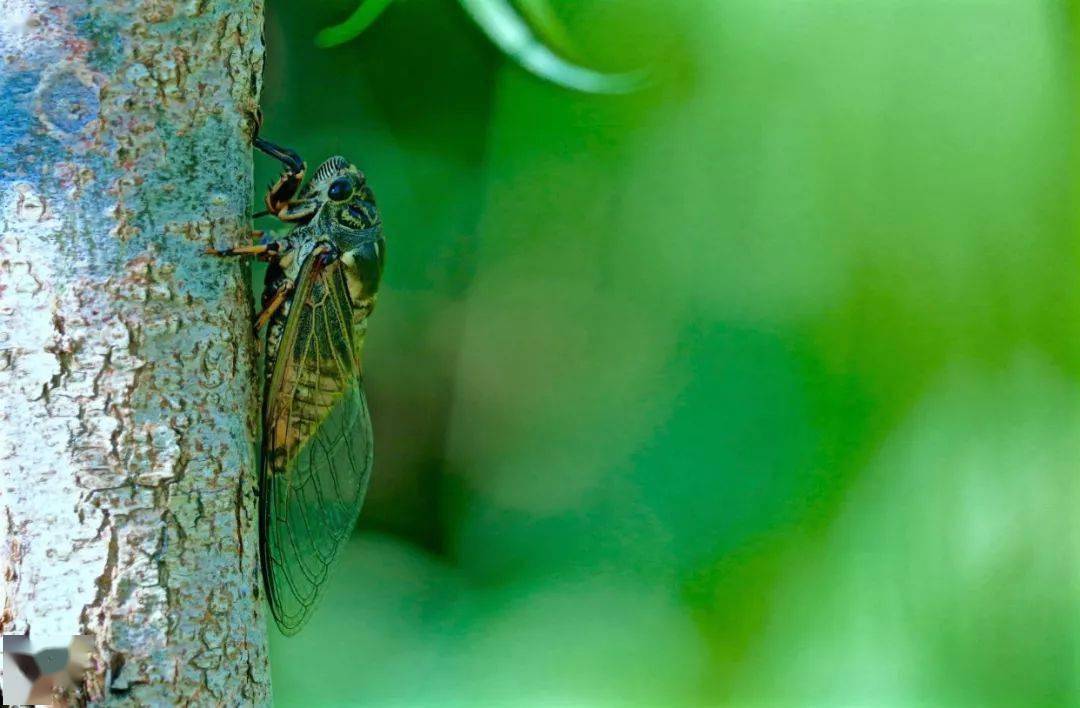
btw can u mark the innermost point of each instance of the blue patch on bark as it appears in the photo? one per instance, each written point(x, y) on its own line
point(68, 103)
point(16, 116)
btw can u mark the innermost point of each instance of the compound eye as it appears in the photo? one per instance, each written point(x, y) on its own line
point(340, 189)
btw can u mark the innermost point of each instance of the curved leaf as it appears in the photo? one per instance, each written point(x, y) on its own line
point(362, 18)
point(513, 35)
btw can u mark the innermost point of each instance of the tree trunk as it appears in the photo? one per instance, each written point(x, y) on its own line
point(128, 408)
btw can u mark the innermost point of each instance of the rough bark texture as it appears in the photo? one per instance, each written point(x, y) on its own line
point(127, 405)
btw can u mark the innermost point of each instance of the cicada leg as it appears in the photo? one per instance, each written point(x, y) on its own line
point(263, 251)
point(324, 255)
point(274, 305)
point(280, 194)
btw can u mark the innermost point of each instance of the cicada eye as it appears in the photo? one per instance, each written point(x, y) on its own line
point(340, 189)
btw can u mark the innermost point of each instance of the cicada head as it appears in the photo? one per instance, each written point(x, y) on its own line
point(344, 195)
point(347, 216)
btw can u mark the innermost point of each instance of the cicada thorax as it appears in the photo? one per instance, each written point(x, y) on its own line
point(360, 260)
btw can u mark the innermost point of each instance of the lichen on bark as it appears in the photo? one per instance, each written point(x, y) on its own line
point(127, 401)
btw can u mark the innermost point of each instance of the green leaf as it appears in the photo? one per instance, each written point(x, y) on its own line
point(513, 35)
point(362, 18)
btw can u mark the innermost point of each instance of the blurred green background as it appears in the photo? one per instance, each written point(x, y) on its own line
point(760, 386)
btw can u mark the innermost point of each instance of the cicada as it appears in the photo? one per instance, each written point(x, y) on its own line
point(320, 287)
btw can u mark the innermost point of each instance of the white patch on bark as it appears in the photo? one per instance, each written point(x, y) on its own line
point(59, 564)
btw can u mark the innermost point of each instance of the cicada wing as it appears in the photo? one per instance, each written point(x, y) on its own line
point(317, 445)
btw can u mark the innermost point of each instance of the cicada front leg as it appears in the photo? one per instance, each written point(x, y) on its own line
point(279, 197)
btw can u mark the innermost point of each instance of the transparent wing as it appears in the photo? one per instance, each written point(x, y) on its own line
point(317, 445)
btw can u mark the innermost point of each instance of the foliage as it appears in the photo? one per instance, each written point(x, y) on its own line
point(526, 37)
point(757, 386)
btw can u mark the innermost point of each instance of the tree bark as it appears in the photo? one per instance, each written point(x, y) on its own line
point(128, 408)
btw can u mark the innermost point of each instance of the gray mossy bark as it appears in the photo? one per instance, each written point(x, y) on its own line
point(128, 407)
